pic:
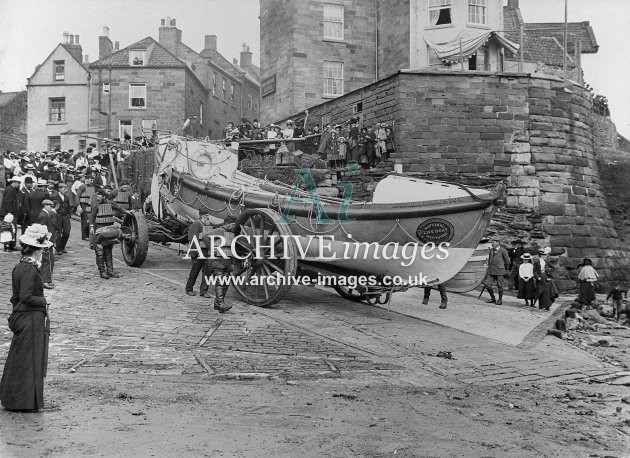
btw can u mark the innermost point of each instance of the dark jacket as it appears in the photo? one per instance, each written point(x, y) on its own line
point(25, 207)
point(10, 202)
point(35, 203)
point(65, 206)
point(498, 261)
point(50, 221)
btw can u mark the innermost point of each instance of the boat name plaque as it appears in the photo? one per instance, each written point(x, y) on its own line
point(435, 230)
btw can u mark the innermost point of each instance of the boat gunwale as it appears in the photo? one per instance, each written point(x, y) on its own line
point(355, 211)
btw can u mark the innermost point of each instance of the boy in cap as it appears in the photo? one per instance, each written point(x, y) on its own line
point(47, 218)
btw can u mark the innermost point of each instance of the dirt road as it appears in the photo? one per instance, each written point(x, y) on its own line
point(137, 368)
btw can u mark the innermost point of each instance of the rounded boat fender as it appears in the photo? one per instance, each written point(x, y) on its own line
point(202, 166)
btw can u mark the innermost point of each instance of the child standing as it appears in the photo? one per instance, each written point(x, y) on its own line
point(616, 294)
point(7, 232)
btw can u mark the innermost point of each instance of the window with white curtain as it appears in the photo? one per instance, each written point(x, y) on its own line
point(137, 95)
point(333, 78)
point(333, 21)
point(440, 12)
point(477, 12)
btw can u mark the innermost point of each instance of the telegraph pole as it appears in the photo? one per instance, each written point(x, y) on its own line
point(564, 54)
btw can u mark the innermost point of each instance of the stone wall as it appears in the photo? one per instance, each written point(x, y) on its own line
point(478, 128)
point(604, 132)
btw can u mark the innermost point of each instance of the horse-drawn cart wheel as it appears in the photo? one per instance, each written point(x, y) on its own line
point(135, 238)
point(347, 292)
point(269, 276)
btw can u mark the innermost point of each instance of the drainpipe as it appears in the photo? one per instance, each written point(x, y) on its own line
point(376, 42)
point(89, 99)
point(109, 114)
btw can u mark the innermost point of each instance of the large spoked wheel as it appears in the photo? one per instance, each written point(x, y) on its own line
point(135, 238)
point(267, 280)
point(350, 293)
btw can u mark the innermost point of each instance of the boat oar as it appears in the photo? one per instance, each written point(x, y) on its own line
point(483, 288)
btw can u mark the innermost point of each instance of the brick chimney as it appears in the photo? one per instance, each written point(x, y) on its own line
point(104, 44)
point(246, 56)
point(512, 4)
point(170, 35)
point(211, 42)
point(72, 45)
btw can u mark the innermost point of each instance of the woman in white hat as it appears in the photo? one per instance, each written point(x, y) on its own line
point(526, 281)
point(22, 385)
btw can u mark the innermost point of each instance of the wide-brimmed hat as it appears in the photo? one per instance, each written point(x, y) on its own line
point(36, 235)
point(545, 250)
point(526, 257)
point(42, 182)
point(16, 179)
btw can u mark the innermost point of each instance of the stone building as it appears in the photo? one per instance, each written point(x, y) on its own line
point(143, 87)
point(543, 44)
point(59, 99)
point(159, 84)
point(316, 50)
point(12, 121)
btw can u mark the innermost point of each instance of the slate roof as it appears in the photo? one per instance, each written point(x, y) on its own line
point(157, 56)
point(217, 59)
point(543, 42)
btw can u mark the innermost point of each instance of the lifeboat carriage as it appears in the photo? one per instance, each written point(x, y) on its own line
point(413, 230)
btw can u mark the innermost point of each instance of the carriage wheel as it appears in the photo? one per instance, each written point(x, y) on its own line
point(135, 238)
point(349, 293)
point(267, 279)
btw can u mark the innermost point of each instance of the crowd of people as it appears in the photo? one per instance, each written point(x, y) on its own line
point(48, 187)
point(337, 145)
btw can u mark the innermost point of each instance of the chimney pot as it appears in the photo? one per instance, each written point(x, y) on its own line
point(173, 22)
point(65, 37)
point(116, 44)
point(71, 40)
point(105, 31)
point(211, 42)
point(76, 39)
point(86, 59)
point(246, 56)
point(168, 21)
point(163, 22)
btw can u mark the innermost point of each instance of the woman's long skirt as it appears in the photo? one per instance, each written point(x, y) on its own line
point(526, 289)
point(22, 385)
point(586, 293)
point(546, 292)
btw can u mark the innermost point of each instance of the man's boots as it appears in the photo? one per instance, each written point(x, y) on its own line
point(219, 298)
point(442, 290)
point(500, 301)
point(109, 262)
point(492, 300)
point(100, 261)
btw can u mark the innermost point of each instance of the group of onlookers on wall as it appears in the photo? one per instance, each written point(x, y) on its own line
point(338, 145)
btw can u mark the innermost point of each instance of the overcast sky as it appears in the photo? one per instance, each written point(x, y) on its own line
point(30, 29)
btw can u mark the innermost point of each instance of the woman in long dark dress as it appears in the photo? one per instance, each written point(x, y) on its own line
point(546, 291)
point(22, 385)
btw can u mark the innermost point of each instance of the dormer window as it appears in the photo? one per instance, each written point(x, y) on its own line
point(59, 70)
point(137, 57)
point(440, 12)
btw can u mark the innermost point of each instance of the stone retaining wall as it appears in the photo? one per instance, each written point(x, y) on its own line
point(536, 133)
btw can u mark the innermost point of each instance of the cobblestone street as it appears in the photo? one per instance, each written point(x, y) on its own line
point(122, 339)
